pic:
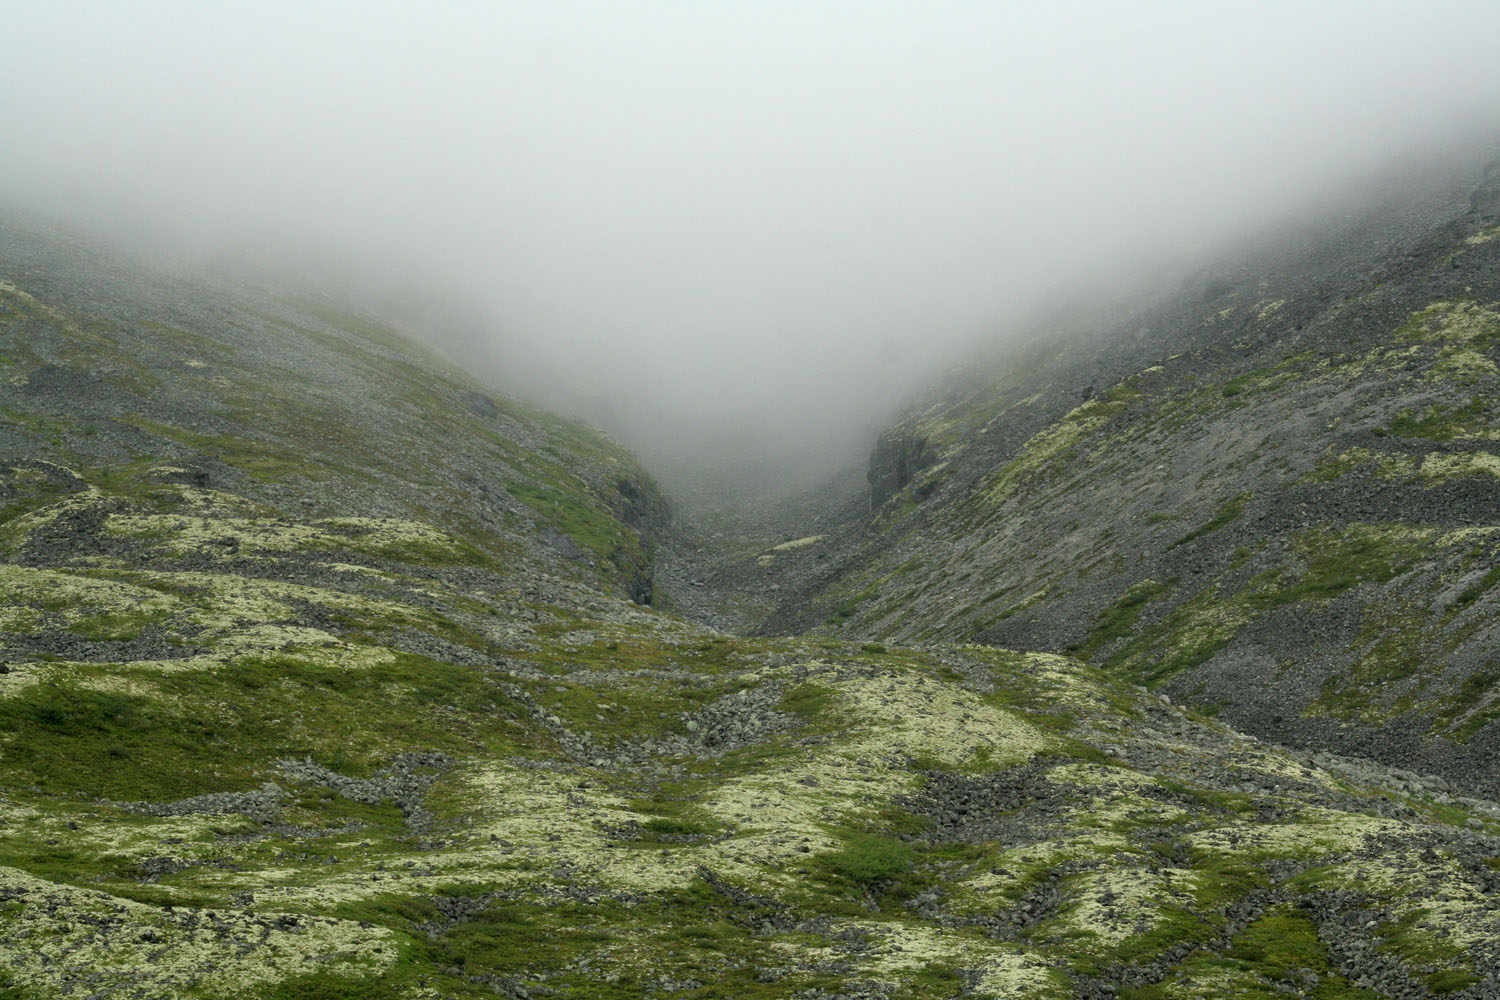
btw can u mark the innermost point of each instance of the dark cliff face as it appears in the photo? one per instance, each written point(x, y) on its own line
point(897, 459)
point(640, 505)
point(1485, 201)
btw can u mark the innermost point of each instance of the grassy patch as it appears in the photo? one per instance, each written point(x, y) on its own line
point(221, 731)
point(1476, 590)
point(1437, 422)
point(1121, 616)
point(1229, 511)
point(869, 858)
point(1337, 561)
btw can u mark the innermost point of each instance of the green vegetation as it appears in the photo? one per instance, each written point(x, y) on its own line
point(1337, 561)
point(867, 859)
point(1122, 616)
point(1438, 422)
point(1476, 590)
point(370, 617)
point(1229, 511)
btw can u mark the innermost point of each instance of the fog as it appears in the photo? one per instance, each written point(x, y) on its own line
point(733, 233)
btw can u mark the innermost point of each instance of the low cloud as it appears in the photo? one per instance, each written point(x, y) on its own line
point(720, 226)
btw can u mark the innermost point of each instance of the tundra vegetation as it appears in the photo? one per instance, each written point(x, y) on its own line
point(327, 673)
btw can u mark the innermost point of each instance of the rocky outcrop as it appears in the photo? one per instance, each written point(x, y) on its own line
point(897, 459)
point(1485, 201)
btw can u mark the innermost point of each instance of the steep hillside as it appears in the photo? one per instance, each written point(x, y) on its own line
point(122, 383)
point(1290, 517)
point(320, 680)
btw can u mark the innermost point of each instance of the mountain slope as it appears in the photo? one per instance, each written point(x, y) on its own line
point(1290, 518)
point(320, 680)
point(137, 380)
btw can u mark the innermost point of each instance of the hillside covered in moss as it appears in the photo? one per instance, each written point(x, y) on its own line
point(329, 673)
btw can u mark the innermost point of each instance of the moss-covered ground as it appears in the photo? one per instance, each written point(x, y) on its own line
point(319, 681)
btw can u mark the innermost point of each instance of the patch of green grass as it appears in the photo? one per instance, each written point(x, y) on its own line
point(560, 946)
point(262, 461)
point(1474, 591)
point(665, 826)
point(1475, 688)
point(1284, 940)
point(1229, 511)
point(327, 985)
point(1437, 422)
point(868, 858)
point(1121, 616)
point(590, 524)
point(117, 626)
point(212, 731)
point(1338, 561)
point(1333, 466)
point(849, 608)
point(809, 701)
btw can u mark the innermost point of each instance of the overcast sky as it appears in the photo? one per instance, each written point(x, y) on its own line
point(776, 211)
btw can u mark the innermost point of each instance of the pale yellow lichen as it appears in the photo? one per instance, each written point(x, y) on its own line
point(133, 687)
point(1281, 764)
point(1461, 363)
point(912, 715)
point(1118, 901)
point(22, 526)
point(1045, 446)
point(1453, 321)
point(74, 595)
point(16, 620)
point(1445, 465)
point(1116, 797)
point(1313, 829)
point(184, 534)
point(1472, 536)
point(1018, 976)
point(381, 531)
point(54, 938)
point(904, 947)
point(1433, 886)
point(1269, 309)
point(53, 315)
point(797, 543)
point(21, 677)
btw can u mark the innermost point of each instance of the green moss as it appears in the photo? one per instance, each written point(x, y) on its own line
point(1474, 591)
point(868, 858)
point(1333, 466)
point(1438, 422)
point(263, 461)
point(1339, 560)
point(333, 986)
point(1121, 617)
point(1285, 940)
point(221, 731)
point(1229, 511)
point(585, 520)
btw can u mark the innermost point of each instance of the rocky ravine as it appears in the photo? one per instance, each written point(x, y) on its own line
point(344, 694)
point(1279, 500)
